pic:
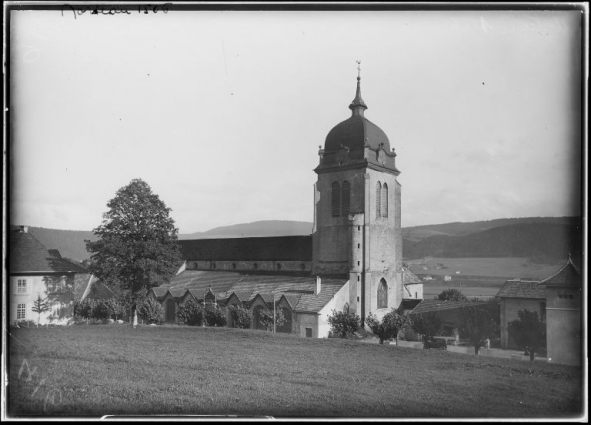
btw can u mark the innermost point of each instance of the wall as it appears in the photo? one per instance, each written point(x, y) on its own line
point(563, 326)
point(510, 308)
point(336, 303)
point(291, 266)
point(307, 320)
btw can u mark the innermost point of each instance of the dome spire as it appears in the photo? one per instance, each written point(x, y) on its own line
point(358, 105)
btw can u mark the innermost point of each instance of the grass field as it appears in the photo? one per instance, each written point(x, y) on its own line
point(94, 370)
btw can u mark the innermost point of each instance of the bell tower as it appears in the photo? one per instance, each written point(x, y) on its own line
point(357, 214)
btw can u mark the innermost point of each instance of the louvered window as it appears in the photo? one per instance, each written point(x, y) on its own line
point(385, 200)
point(383, 294)
point(379, 200)
point(346, 198)
point(336, 200)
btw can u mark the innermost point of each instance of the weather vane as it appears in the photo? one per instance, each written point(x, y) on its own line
point(358, 69)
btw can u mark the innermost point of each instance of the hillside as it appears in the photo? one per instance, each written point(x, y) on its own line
point(539, 241)
point(256, 229)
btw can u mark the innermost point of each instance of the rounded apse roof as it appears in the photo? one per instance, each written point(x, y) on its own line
point(355, 133)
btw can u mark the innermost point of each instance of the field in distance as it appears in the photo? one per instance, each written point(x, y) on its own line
point(95, 370)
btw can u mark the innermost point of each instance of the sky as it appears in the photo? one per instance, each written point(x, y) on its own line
point(222, 113)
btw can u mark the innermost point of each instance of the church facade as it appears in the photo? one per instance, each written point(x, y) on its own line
point(352, 261)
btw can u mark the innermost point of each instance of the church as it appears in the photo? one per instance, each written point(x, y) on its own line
point(352, 261)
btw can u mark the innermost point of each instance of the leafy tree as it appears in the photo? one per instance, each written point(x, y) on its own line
point(116, 307)
point(241, 317)
point(452, 294)
point(477, 324)
point(214, 315)
point(267, 319)
point(529, 331)
point(388, 328)
point(150, 310)
point(40, 305)
point(137, 242)
point(426, 324)
point(191, 313)
point(344, 324)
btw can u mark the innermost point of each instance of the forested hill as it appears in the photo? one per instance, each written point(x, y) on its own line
point(540, 241)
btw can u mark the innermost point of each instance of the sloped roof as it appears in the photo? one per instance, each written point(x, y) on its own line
point(521, 289)
point(81, 281)
point(409, 278)
point(567, 275)
point(314, 303)
point(409, 304)
point(99, 290)
point(199, 281)
point(426, 306)
point(284, 248)
point(27, 254)
point(292, 299)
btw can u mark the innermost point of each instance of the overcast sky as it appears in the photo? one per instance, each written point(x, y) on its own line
point(222, 113)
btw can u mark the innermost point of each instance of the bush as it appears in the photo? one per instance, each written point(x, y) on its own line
point(344, 324)
point(191, 313)
point(427, 325)
point(267, 319)
point(242, 317)
point(388, 328)
point(215, 316)
point(83, 309)
point(150, 310)
point(452, 294)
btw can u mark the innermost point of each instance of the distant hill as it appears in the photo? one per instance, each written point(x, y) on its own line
point(256, 229)
point(541, 241)
point(418, 233)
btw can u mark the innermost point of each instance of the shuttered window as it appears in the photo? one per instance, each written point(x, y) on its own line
point(346, 198)
point(383, 294)
point(385, 200)
point(336, 200)
point(379, 199)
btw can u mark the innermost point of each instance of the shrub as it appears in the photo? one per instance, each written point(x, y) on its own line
point(267, 319)
point(426, 324)
point(191, 313)
point(83, 309)
point(242, 317)
point(452, 294)
point(214, 315)
point(344, 324)
point(529, 331)
point(388, 328)
point(150, 310)
point(116, 307)
point(100, 309)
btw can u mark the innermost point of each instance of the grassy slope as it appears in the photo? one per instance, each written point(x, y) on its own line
point(113, 369)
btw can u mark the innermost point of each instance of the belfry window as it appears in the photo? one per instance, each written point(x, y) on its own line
point(336, 200)
point(383, 294)
point(379, 199)
point(346, 198)
point(385, 200)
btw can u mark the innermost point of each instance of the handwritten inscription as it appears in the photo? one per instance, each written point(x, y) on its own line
point(116, 9)
point(53, 396)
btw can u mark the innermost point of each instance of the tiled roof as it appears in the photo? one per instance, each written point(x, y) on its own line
point(409, 277)
point(409, 304)
point(159, 292)
point(292, 299)
point(27, 254)
point(99, 290)
point(284, 248)
point(247, 285)
point(567, 275)
point(521, 289)
point(426, 306)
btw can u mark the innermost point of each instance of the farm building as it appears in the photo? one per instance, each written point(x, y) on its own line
point(352, 261)
point(557, 299)
point(35, 271)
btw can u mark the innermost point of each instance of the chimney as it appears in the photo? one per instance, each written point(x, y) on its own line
point(24, 229)
point(318, 287)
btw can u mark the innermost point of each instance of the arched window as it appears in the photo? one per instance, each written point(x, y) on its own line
point(383, 294)
point(346, 198)
point(336, 200)
point(379, 199)
point(385, 200)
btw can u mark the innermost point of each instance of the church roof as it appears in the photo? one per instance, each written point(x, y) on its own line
point(426, 306)
point(283, 248)
point(355, 133)
point(28, 255)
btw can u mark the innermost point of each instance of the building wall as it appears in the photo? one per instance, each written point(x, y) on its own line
point(61, 301)
point(416, 291)
point(307, 320)
point(292, 266)
point(336, 303)
point(563, 325)
point(510, 308)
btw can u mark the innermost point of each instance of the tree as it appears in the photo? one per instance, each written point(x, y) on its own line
point(452, 294)
point(137, 247)
point(214, 315)
point(116, 307)
point(267, 319)
point(529, 331)
point(388, 328)
point(344, 324)
point(40, 305)
point(150, 310)
point(477, 324)
point(191, 313)
point(426, 324)
point(241, 317)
